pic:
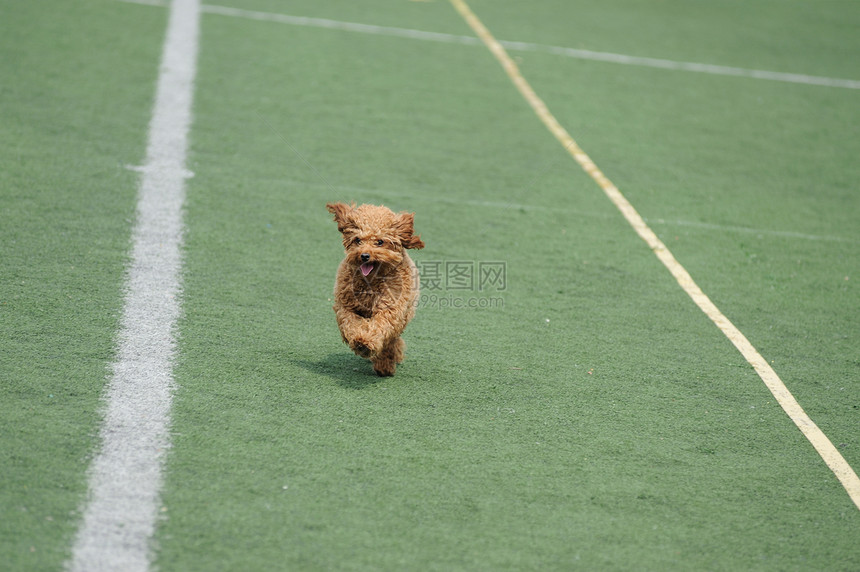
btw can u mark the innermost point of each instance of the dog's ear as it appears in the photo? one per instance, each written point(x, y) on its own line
point(405, 230)
point(341, 214)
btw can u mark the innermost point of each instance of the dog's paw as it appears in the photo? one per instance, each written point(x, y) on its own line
point(360, 349)
point(365, 347)
point(384, 368)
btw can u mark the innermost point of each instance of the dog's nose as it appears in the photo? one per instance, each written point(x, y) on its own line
point(365, 257)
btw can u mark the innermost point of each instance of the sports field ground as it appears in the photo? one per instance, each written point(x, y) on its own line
point(568, 400)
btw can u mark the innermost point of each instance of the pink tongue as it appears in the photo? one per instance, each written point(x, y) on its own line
point(366, 268)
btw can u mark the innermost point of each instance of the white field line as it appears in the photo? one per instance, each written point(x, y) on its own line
point(523, 46)
point(825, 448)
point(683, 66)
point(126, 474)
point(749, 230)
point(437, 198)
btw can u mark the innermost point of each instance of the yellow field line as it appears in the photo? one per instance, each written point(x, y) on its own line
point(819, 440)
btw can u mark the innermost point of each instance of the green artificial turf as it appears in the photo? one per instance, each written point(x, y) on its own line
point(792, 36)
point(76, 91)
point(753, 192)
point(584, 415)
point(593, 419)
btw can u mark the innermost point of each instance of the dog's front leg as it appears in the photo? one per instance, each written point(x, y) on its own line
point(357, 332)
point(385, 326)
point(368, 337)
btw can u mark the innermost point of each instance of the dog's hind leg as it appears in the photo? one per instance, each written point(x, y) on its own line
point(399, 349)
point(385, 362)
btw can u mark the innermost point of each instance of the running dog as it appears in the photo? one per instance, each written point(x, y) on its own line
point(376, 288)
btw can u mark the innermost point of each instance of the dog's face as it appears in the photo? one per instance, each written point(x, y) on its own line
point(374, 237)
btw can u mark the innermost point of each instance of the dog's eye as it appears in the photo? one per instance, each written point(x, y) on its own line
point(357, 240)
point(380, 242)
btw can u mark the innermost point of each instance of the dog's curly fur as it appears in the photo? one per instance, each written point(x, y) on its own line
point(376, 289)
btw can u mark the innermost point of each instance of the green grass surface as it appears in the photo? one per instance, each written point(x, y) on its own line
point(76, 91)
point(593, 419)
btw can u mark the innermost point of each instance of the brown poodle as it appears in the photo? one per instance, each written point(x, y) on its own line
point(376, 289)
